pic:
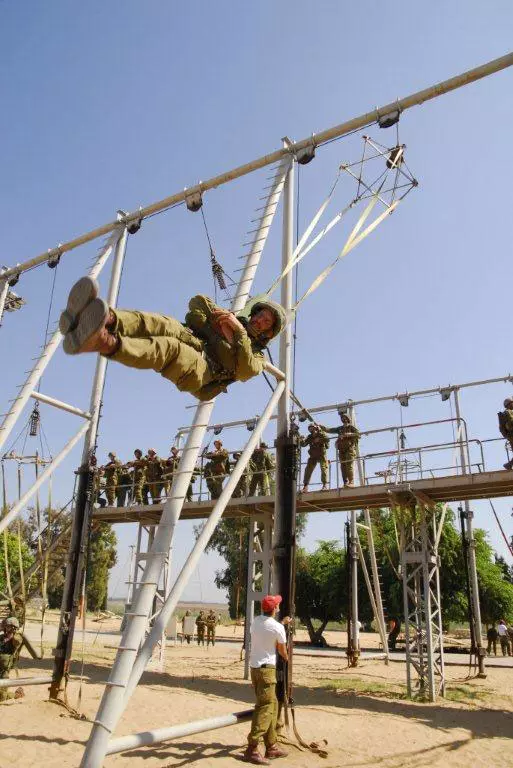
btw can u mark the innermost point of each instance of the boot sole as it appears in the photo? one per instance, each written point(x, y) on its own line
point(90, 321)
point(80, 296)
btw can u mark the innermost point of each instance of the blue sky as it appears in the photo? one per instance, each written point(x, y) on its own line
point(115, 105)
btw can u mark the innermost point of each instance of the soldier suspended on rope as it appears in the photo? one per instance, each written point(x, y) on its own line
point(11, 641)
point(203, 355)
point(347, 447)
point(318, 444)
point(506, 426)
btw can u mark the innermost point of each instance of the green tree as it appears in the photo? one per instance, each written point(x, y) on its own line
point(9, 547)
point(101, 558)
point(54, 530)
point(230, 540)
point(495, 590)
point(321, 587)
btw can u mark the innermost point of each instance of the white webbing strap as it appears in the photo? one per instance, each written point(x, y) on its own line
point(352, 241)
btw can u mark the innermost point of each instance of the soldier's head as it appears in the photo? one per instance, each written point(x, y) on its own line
point(508, 402)
point(345, 418)
point(263, 446)
point(138, 453)
point(202, 613)
point(152, 452)
point(112, 455)
point(237, 455)
point(93, 461)
point(266, 320)
point(174, 450)
point(11, 624)
point(187, 613)
point(312, 428)
point(218, 444)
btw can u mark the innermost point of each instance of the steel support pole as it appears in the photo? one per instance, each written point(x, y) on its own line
point(21, 682)
point(77, 553)
point(147, 738)
point(204, 537)
point(50, 349)
point(315, 140)
point(471, 551)
point(355, 624)
point(284, 530)
point(114, 699)
point(43, 477)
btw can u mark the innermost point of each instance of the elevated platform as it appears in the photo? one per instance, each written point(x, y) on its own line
point(479, 485)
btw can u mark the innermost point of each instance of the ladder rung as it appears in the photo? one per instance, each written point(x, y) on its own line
point(126, 648)
point(115, 685)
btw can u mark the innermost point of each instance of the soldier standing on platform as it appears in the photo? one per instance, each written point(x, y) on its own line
point(318, 443)
point(124, 489)
point(170, 466)
point(242, 487)
point(154, 482)
point(138, 476)
point(347, 447)
point(201, 624)
point(217, 468)
point(262, 467)
point(111, 472)
point(211, 627)
point(506, 426)
point(96, 485)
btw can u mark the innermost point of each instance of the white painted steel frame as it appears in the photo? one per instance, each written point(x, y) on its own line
point(292, 149)
point(130, 663)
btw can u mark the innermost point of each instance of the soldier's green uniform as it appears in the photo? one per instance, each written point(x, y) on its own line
point(506, 426)
point(216, 469)
point(262, 471)
point(201, 624)
point(11, 641)
point(347, 447)
point(193, 355)
point(318, 443)
point(242, 487)
point(211, 621)
point(170, 467)
point(111, 472)
point(124, 489)
point(154, 481)
point(96, 488)
point(138, 476)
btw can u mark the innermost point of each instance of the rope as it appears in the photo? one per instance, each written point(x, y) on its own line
point(50, 306)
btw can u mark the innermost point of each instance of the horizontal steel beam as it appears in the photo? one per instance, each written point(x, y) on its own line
point(20, 682)
point(60, 404)
point(478, 485)
point(292, 148)
point(147, 738)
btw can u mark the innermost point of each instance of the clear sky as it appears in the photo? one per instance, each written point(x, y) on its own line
point(111, 105)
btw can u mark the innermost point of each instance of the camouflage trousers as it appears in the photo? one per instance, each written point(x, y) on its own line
point(215, 486)
point(263, 724)
point(150, 341)
point(310, 466)
point(211, 635)
point(153, 489)
point(259, 484)
point(347, 466)
point(5, 666)
point(110, 493)
point(201, 635)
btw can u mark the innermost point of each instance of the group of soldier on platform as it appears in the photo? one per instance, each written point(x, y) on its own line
point(147, 478)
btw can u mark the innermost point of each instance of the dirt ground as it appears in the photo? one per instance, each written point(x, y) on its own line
point(361, 712)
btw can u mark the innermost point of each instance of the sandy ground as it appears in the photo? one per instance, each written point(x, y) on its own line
point(361, 712)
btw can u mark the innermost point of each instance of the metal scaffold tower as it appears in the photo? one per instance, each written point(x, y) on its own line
point(420, 567)
point(272, 539)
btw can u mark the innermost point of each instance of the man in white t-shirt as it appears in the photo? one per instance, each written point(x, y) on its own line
point(502, 631)
point(267, 638)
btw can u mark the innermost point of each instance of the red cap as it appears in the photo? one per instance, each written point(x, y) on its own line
point(270, 602)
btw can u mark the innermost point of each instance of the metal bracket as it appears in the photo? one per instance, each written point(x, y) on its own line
point(194, 201)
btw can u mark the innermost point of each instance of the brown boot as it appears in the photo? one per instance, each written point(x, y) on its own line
point(252, 755)
point(275, 751)
point(80, 296)
point(90, 332)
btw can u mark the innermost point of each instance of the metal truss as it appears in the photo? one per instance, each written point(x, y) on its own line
point(420, 565)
